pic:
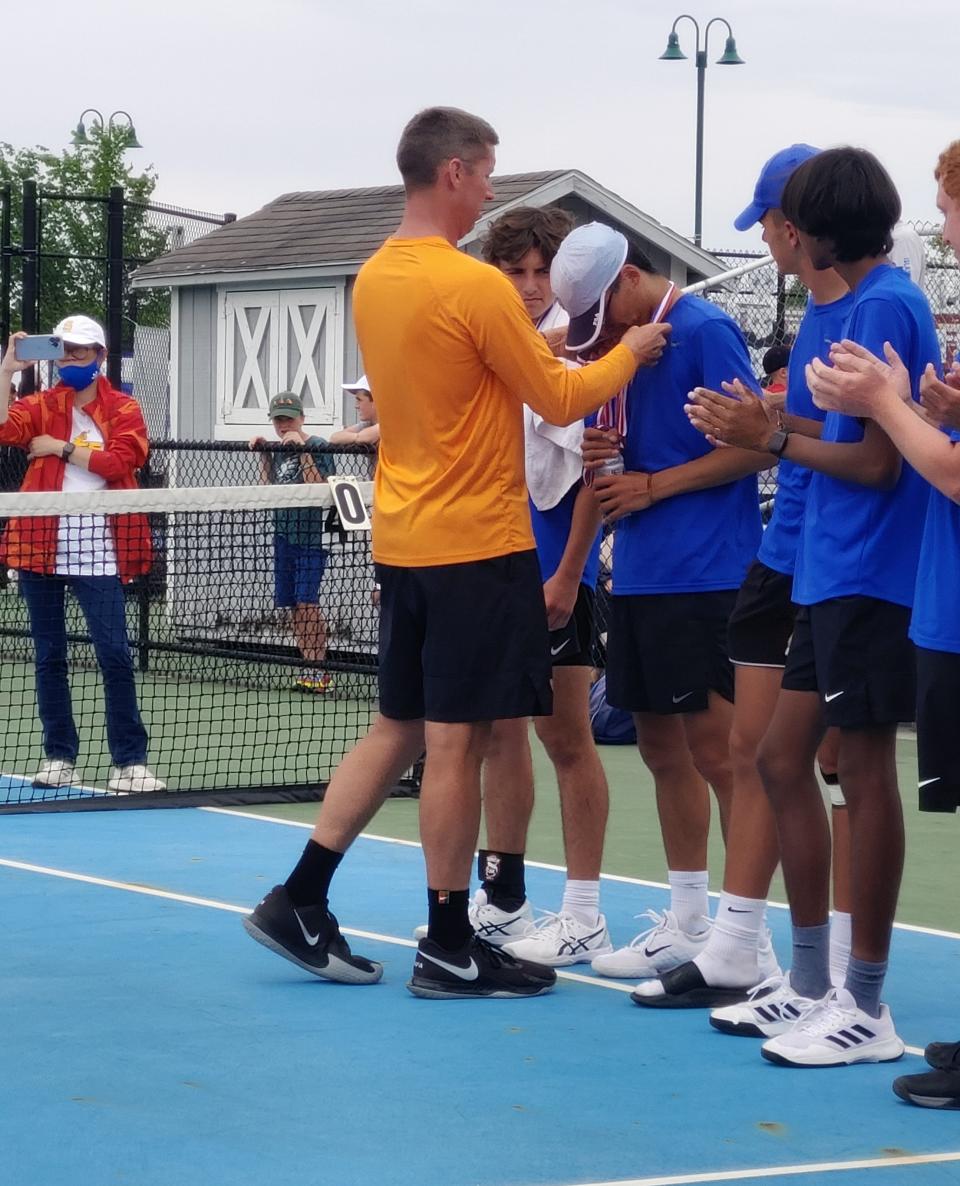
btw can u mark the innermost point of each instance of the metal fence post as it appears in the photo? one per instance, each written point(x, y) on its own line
point(5, 246)
point(29, 293)
point(114, 293)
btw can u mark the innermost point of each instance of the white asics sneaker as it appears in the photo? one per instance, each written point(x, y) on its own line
point(497, 926)
point(55, 772)
point(558, 940)
point(135, 779)
point(658, 949)
point(772, 1008)
point(833, 1033)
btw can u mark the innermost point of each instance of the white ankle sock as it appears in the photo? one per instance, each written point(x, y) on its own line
point(840, 940)
point(729, 959)
point(582, 900)
point(688, 899)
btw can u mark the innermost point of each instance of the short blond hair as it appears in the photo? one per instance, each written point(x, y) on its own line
point(947, 171)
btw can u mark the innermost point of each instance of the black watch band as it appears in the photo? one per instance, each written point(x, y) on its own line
point(777, 442)
point(67, 450)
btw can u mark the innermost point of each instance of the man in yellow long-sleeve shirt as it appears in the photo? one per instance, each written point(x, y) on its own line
point(452, 355)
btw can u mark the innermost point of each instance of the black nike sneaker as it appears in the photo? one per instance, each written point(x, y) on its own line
point(477, 970)
point(944, 1056)
point(308, 936)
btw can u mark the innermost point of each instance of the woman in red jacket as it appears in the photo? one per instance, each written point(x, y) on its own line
point(81, 435)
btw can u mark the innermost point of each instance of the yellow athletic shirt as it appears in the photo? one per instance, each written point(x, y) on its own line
point(452, 355)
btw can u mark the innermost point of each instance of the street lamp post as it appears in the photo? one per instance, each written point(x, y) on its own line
point(80, 137)
point(730, 57)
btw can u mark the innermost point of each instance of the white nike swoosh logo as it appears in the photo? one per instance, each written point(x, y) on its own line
point(677, 699)
point(927, 781)
point(312, 940)
point(832, 696)
point(470, 972)
point(554, 651)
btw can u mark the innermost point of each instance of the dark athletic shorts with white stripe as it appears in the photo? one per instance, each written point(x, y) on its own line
point(762, 619)
point(938, 739)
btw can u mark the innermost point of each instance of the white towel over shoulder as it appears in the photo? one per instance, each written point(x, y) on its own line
point(553, 460)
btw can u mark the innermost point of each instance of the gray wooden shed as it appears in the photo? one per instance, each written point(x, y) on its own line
point(263, 304)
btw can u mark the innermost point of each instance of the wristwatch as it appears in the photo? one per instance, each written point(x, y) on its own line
point(777, 442)
point(67, 450)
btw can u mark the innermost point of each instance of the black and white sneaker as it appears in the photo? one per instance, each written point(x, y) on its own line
point(685, 988)
point(933, 1089)
point(477, 970)
point(308, 936)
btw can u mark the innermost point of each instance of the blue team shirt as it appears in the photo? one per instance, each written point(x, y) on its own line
point(706, 539)
point(551, 530)
point(936, 610)
point(857, 540)
point(821, 325)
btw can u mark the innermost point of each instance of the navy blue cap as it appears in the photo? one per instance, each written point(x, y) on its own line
point(770, 184)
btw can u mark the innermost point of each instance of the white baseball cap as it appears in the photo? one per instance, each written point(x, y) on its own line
point(907, 252)
point(80, 331)
point(360, 385)
point(588, 262)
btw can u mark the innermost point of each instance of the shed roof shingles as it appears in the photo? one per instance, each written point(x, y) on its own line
point(309, 229)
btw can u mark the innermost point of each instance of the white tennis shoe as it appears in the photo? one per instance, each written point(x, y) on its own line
point(135, 779)
point(834, 1033)
point(55, 772)
point(660, 948)
point(559, 940)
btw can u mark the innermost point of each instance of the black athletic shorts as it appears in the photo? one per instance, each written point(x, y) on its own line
point(667, 651)
point(464, 642)
point(938, 739)
point(762, 619)
point(572, 645)
point(855, 652)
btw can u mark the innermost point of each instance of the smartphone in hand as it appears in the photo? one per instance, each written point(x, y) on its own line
point(38, 348)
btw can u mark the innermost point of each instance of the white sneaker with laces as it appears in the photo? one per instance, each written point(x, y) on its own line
point(834, 1033)
point(559, 940)
point(55, 772)
point(135, 779)
point(658, 949)
point(772, 1008)
point(489, 922)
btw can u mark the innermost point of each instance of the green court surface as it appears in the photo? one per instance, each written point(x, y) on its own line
point(633, 849)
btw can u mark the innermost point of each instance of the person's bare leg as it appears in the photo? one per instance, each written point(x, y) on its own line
point(581, 779)
point(508, 785)
point(507, 807)
point(309, 632)
point(362, 781)
point(708, 738)
point(785, 761)
point(450, 801)
point(868, 776)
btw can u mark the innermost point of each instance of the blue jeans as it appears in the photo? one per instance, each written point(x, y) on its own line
point(101, 599)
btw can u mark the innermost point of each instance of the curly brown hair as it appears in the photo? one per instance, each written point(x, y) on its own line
point(512, 235)
point(947, 171)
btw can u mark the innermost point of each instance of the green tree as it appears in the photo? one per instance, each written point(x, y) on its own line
point(73, 232)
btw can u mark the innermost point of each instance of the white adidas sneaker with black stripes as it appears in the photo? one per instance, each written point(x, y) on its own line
point(772, 1008)
point(835, 1033)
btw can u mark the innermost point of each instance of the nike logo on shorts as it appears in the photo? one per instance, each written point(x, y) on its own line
point(927, 781)
point(470, 972)
point(831, 696)
point(311, 940)
point(554, 651)
point(679, 699)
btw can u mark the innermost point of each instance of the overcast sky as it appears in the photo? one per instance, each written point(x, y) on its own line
point(237, 103)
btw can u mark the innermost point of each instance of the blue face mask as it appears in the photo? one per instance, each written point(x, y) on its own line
point(78, 377)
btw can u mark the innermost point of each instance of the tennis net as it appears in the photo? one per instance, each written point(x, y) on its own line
point(242, 701)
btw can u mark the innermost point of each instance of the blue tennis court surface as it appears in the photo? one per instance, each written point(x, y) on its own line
point(148, 1042)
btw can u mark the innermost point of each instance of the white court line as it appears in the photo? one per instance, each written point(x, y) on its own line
point(289, 823)
point(213, 904)
point(822, 1167)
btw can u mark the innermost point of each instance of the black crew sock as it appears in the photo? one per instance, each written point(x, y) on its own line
point(309, 883)
point(502, 876)
point(448, 923)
